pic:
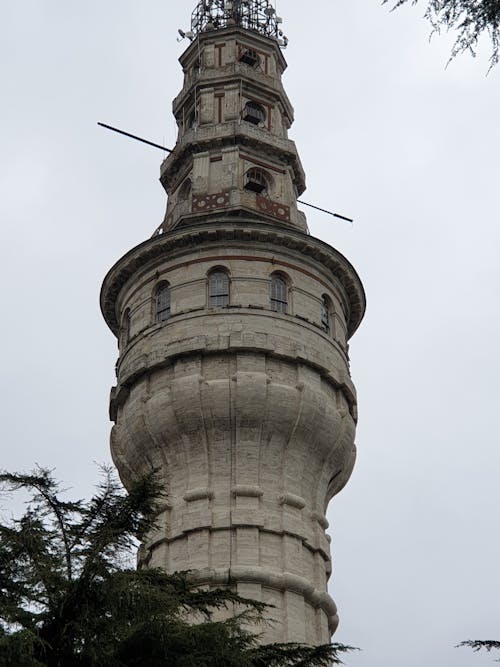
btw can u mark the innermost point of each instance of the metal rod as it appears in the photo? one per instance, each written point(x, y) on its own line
point(169, 150)
point(133, 136)
point(323, 210)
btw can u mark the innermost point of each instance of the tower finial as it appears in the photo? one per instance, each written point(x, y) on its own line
point(257, 15)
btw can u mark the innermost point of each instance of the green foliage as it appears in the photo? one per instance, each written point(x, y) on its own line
point(479, 644)
point(67, 598)
point(469, 18)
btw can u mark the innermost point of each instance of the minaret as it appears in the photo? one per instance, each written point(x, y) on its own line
point(232, 322)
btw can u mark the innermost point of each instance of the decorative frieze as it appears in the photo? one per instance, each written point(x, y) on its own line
point(204, 202)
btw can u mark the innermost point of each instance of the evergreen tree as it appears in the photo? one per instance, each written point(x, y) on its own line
point(470, 18)
point(479, 644)
point(68, 595)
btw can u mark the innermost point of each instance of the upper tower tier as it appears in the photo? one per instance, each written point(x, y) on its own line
point(232, 153)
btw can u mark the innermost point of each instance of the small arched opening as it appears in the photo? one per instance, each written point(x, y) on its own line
point(257, 180)
point(326, 313)
point(162, 302)
point(218, 288)
point(254, 113)
point(278, 293)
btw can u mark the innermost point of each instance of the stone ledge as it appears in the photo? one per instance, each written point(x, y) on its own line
point(144, 364)
point(235, 337)
point(292, 500)
point(207, 524)
point(198, 494)
point(285, 581)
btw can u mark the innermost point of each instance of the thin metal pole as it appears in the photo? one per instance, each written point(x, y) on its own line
point(323, 210)
point(133, 136)
point(169, 150)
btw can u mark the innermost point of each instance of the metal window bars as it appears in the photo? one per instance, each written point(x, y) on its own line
point(254, 113)
point(325, 316)
point(163, 303)
point(218, 289)
point(278, 295)
point(256, 181)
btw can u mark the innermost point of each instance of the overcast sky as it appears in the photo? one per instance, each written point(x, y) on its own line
point(387, 136)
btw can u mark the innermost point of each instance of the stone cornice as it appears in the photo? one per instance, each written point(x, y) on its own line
point(215, 229)
point(138, 360)
point(228, 135)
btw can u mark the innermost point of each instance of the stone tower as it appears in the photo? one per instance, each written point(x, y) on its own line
point(232, 322)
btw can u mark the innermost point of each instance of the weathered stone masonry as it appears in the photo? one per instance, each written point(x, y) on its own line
point(247, 406)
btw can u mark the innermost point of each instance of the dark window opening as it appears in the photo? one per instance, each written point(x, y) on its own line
point(254, 113)
point(256, 181)
point(279, 294)
point(218, 289)
point(250, 57)
point(163, 303)
point(325, 315)
point(192, 120)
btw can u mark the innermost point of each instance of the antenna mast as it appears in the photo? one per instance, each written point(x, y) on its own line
point(257, 15)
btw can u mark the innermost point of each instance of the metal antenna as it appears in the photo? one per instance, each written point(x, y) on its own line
point(133, 136)
point(258, 15)
point(169, 150)
point(323, 210)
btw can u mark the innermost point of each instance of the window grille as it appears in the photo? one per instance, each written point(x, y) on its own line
point(254, 113)
point(325, 315)
point(256, 181)
point(163, 303)
point(218, 289)
point(279, 294)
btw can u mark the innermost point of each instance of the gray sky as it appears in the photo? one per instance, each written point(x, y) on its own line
point(387, 136)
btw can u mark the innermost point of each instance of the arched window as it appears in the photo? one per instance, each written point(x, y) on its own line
point(125, 329)
point(162, 302)
point(218, 289)
point(278, 294)
point(254, 113)
point(257, 180)
point(326, 309)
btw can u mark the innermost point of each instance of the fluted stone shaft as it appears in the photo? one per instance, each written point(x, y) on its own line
point(233, 375)
point(248, 413)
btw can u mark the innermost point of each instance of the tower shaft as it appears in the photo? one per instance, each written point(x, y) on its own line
point(233, 376)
